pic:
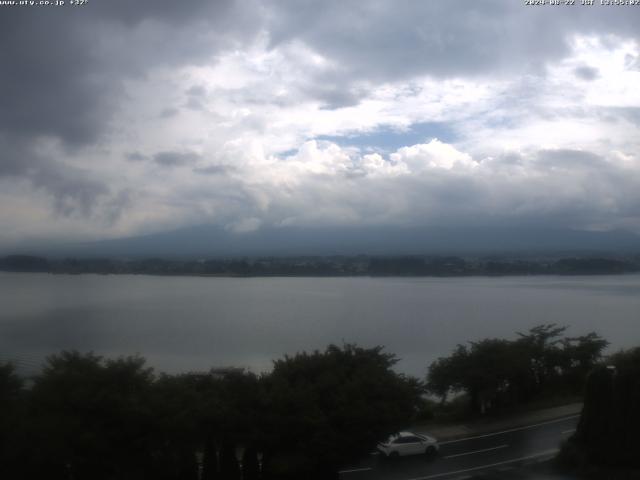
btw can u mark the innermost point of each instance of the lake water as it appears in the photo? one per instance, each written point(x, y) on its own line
point(193, 323)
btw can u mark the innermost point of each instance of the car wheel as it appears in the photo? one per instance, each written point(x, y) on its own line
point(394, 455)
point(430, 451)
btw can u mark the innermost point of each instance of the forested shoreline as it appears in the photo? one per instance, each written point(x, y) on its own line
point(330, 266)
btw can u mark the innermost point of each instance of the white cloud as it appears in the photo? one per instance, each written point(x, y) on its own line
point(434, 154)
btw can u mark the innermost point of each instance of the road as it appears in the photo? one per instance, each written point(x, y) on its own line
point(468, 456)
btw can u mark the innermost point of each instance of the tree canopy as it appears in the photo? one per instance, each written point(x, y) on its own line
point(607, 433)
point(89, 417)
point(341, 402)
point(498, 372)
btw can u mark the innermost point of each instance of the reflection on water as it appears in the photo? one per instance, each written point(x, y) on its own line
point(185, 323)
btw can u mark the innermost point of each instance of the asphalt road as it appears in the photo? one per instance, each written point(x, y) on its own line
point(468, 456)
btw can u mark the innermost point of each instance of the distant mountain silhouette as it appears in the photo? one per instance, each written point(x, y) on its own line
point(208, 241)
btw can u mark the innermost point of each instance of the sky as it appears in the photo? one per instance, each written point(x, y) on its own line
point(122, 118)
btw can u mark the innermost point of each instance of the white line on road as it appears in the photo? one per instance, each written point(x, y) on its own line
point(566, 432)
point(557, 420)
point(491, 465)
point(354, 470)
point(476, 451)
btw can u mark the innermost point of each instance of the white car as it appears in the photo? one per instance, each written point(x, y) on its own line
point(408, 443)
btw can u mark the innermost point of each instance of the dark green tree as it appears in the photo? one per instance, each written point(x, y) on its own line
point(328, 408)
point(90, 418)
point(210, 469)
point(607, 434)
point(229, 466)
point(541, 344)
point(187, 408)
point(580, 355)
point(444, 375)
point(250, 465)
point(497, 372)
point(12, 416)
point(486, 371)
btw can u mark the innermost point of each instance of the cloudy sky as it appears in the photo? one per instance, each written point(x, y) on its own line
point(120, 118)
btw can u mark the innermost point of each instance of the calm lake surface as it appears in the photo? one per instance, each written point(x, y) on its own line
point(193, 323)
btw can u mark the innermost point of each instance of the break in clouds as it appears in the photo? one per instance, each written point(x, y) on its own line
point(122, 118)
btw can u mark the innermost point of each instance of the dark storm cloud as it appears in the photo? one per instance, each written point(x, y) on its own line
point(62, 68)
point(393, 40)
point(15, 156)
point(132, 13)
point(215, 170)
point(334, 95)
point(396, 39)
point(73, 190)
point(196, 91)
point(175, 159)
point(169, 112)
point(136, 157)
point(50, 82)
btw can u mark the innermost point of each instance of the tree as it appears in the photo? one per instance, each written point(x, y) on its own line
point(498, 372)
point(90, 417)
point(485, 371)
point(250, 464)
point(208, 413)
point(541, 345)
point(607, 433)
point(209, 460)
point(580, 355)
point(443, 377)
point(328, 408)
point(12, 440)
point(229, 467)
point(187, 408)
